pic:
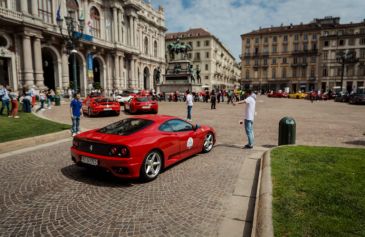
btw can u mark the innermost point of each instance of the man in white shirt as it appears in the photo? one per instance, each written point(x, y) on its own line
point(250, 102)
point(189, 103)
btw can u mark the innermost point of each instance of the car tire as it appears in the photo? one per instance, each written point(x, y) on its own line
point(155, 111)
point(151, 166)
point(89, 113)
point(117, 113)
point(297, 96)
point(208, 142)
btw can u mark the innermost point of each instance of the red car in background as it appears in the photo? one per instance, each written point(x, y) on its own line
point(141, 146)
point(278, 94)
point(100, 105)
point(141, 104)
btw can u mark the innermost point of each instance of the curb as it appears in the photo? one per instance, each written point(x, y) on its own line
point(15, 145)
point(262, 224)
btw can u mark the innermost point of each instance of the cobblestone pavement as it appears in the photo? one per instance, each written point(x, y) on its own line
point(324, 123)
point(44, 193)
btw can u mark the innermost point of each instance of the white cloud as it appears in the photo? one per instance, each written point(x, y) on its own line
point(227, 22)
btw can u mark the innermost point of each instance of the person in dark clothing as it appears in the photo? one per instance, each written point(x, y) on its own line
point(213, 100)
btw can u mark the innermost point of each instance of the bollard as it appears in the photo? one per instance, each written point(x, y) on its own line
point(57, 100)
point(287, 131)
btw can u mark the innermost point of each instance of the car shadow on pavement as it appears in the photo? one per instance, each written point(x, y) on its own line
point(96, 177)
point(356, 142)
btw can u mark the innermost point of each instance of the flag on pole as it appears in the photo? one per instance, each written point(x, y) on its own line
point(58, 15)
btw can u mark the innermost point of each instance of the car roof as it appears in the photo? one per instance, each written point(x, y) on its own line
point(157, 118)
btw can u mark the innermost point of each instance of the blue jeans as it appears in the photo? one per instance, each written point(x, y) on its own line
point(249, 131)
point(5, 103)
point(75, 124)
point(189, 112)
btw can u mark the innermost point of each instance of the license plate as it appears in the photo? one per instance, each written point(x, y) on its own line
point(107, 109)
point(88, 160)
point(146, 107)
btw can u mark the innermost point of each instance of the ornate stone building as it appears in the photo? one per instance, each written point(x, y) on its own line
point(302, 57)
point(123, 46)
point(216, 64)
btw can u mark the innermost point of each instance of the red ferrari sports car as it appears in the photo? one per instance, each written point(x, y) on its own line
point(278, 94)
point(100, 105)
point(141, 146)
point(141, 104)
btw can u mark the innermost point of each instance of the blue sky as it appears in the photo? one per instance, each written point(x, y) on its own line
point(228, 19)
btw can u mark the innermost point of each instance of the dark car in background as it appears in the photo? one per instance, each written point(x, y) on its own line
point(342, 97)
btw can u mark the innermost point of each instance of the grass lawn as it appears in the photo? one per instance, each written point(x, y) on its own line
point(28, 125)
point(318, 191)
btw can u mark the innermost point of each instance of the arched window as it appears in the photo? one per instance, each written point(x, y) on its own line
point(155, 49)
point(146, 45)
point(95, 22)
point(73, 10)
point(45, 10)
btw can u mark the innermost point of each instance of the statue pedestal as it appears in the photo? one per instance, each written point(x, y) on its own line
point(179, 77)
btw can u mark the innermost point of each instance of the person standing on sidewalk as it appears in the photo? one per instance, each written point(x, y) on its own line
point(76, 113)
point(250, 102)
point(5, 100)
point(189, 103)
point(14, 104)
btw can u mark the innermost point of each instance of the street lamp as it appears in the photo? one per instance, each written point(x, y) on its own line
point(72, 37)
point(344, 58)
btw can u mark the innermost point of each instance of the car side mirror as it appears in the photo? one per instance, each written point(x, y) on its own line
point(196, 127)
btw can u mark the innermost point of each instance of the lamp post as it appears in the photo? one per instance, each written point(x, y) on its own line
point(72, 37)
point(345, 58)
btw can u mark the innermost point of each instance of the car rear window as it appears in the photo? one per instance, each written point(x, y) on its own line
point(126, 126)
point(101, 100)
point(142, 99)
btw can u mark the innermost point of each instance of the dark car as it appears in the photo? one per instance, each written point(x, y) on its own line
point(342, 97)
point(357, 98)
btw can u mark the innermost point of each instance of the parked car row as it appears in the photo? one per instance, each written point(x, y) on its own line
point(354, 98)
point(134, 101)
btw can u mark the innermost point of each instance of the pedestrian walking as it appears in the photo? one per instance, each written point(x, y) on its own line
point(213, 99)
point(42, 100)
point(189, 103)
point(76, 113)
point(250, 102)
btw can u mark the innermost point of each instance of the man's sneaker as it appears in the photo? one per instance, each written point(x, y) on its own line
point(16, 117)
point(74, 134)
point(248, 146)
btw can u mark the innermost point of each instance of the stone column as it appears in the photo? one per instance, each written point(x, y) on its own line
point(24, 6)
point(115, 24)
point(122, 78)
point(130, 30)
point(117, 72)
point(120, 19)
point(65, 72)
point(35, 8)
point(135, 31)
point(28, 76)
point(38, 68)
point(131, 76)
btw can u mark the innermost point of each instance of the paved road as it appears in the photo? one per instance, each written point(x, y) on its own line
point(43, 193)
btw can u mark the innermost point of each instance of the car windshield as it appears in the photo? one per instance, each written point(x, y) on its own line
point(142, 99)
point(126, 126)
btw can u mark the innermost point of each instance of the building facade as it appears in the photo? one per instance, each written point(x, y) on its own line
point(218, 69)
point(293, 56)
point(122, 47)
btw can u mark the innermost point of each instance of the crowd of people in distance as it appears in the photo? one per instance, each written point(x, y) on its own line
point(26, 100)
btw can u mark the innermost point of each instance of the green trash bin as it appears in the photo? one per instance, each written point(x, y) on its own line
point(287, 131)
point(57, 100)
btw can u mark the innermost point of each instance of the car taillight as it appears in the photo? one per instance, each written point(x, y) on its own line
point(75, 143)
point(119, 151)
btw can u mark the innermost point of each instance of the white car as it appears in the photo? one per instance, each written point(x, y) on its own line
point(126, 95)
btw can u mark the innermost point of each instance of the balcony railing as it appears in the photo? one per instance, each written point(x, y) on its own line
point(11, 14)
